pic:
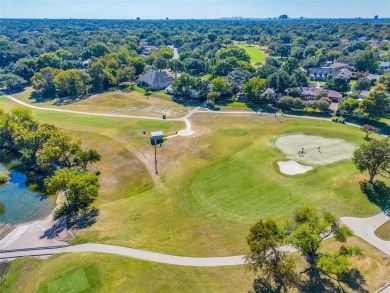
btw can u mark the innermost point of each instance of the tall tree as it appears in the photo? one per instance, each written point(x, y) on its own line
point(363, 84)
point(79, 187)
point(221, 86)
point(49, 60)
point(365, 61)
point(69, 83)
point(264, 240)
point(83, 158)
point(95, 50)
point(338, 83)
point(254, 88)
point(11, 81)
point(375, 106)
point(43, 82)
point(306, 231)
point(373, 157)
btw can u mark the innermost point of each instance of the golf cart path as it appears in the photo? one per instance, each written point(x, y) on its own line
point(365, 228)
point(185, 132)
point(362, 227)
point(15, 244)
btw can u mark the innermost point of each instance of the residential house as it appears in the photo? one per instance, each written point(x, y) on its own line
point(346, 73)
point(373, 77)
point(156, 80)
point(309, 93)
point(169, 90)
point(374, 43)
point(385, 66)
point(146, 50)
point(322, 74)
point(364, 94)
point(338, 65)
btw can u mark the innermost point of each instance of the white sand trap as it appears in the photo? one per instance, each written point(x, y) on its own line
point(293, 168)
point(331, 150)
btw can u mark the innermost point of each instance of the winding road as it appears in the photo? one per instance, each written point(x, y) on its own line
point(15, 245)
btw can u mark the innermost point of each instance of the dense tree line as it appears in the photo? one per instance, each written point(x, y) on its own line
point(27, 46)
point(78, 57)
point(45, 153)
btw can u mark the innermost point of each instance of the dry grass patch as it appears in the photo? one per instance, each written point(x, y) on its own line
point(383, 232)
point(117, 102)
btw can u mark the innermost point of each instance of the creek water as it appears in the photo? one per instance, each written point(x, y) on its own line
point(21, 204)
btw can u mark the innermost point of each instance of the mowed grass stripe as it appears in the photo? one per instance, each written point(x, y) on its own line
point(246, 187)
point(255, 53)
point(94, 120)
point(155, 124)
point(75, 282)
point(52, 115)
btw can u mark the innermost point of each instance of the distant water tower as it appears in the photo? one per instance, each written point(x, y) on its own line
point(283, 17)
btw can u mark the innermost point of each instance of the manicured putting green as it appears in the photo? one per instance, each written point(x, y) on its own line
point(53, 115)
point(94, 120)
point(155, 124)
point(236, 132)
point(73, 283)
point(330, 150)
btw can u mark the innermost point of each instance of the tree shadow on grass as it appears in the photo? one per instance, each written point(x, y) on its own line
point(262, 285)
point(354, 280)
point(319, 282)
point(315, 281)
point(81, 221)
point(378, 193)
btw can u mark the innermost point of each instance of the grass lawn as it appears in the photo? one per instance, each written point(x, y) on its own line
point(75, 282)
point(255, 52)
point(383, 232)
point(155, 124)
point(111, 273)
point(116, 102)
point(315, 83)
point(214, 186)
point(236, 104)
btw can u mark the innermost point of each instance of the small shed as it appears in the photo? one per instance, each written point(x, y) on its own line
point(156, 138)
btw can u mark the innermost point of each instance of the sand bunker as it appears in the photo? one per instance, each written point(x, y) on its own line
point(293, 168)
point(331, 150)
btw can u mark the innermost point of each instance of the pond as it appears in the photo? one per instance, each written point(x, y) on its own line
point(21, 204)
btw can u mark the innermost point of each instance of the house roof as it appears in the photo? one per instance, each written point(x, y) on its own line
point(340, 65)
point(384, 64)
point(156, 77)
point(373, 76)
point(326, 71)
point(345, 72)
point(313, 91)
point(364, 93)
point(321, 71)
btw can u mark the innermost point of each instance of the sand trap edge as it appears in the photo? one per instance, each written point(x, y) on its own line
point(277, 169)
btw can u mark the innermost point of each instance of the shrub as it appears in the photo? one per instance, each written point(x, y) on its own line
point(3, 178)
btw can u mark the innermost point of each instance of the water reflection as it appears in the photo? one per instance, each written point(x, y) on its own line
point(21, 204)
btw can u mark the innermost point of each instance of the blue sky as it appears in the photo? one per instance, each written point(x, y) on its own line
point(129, 9)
